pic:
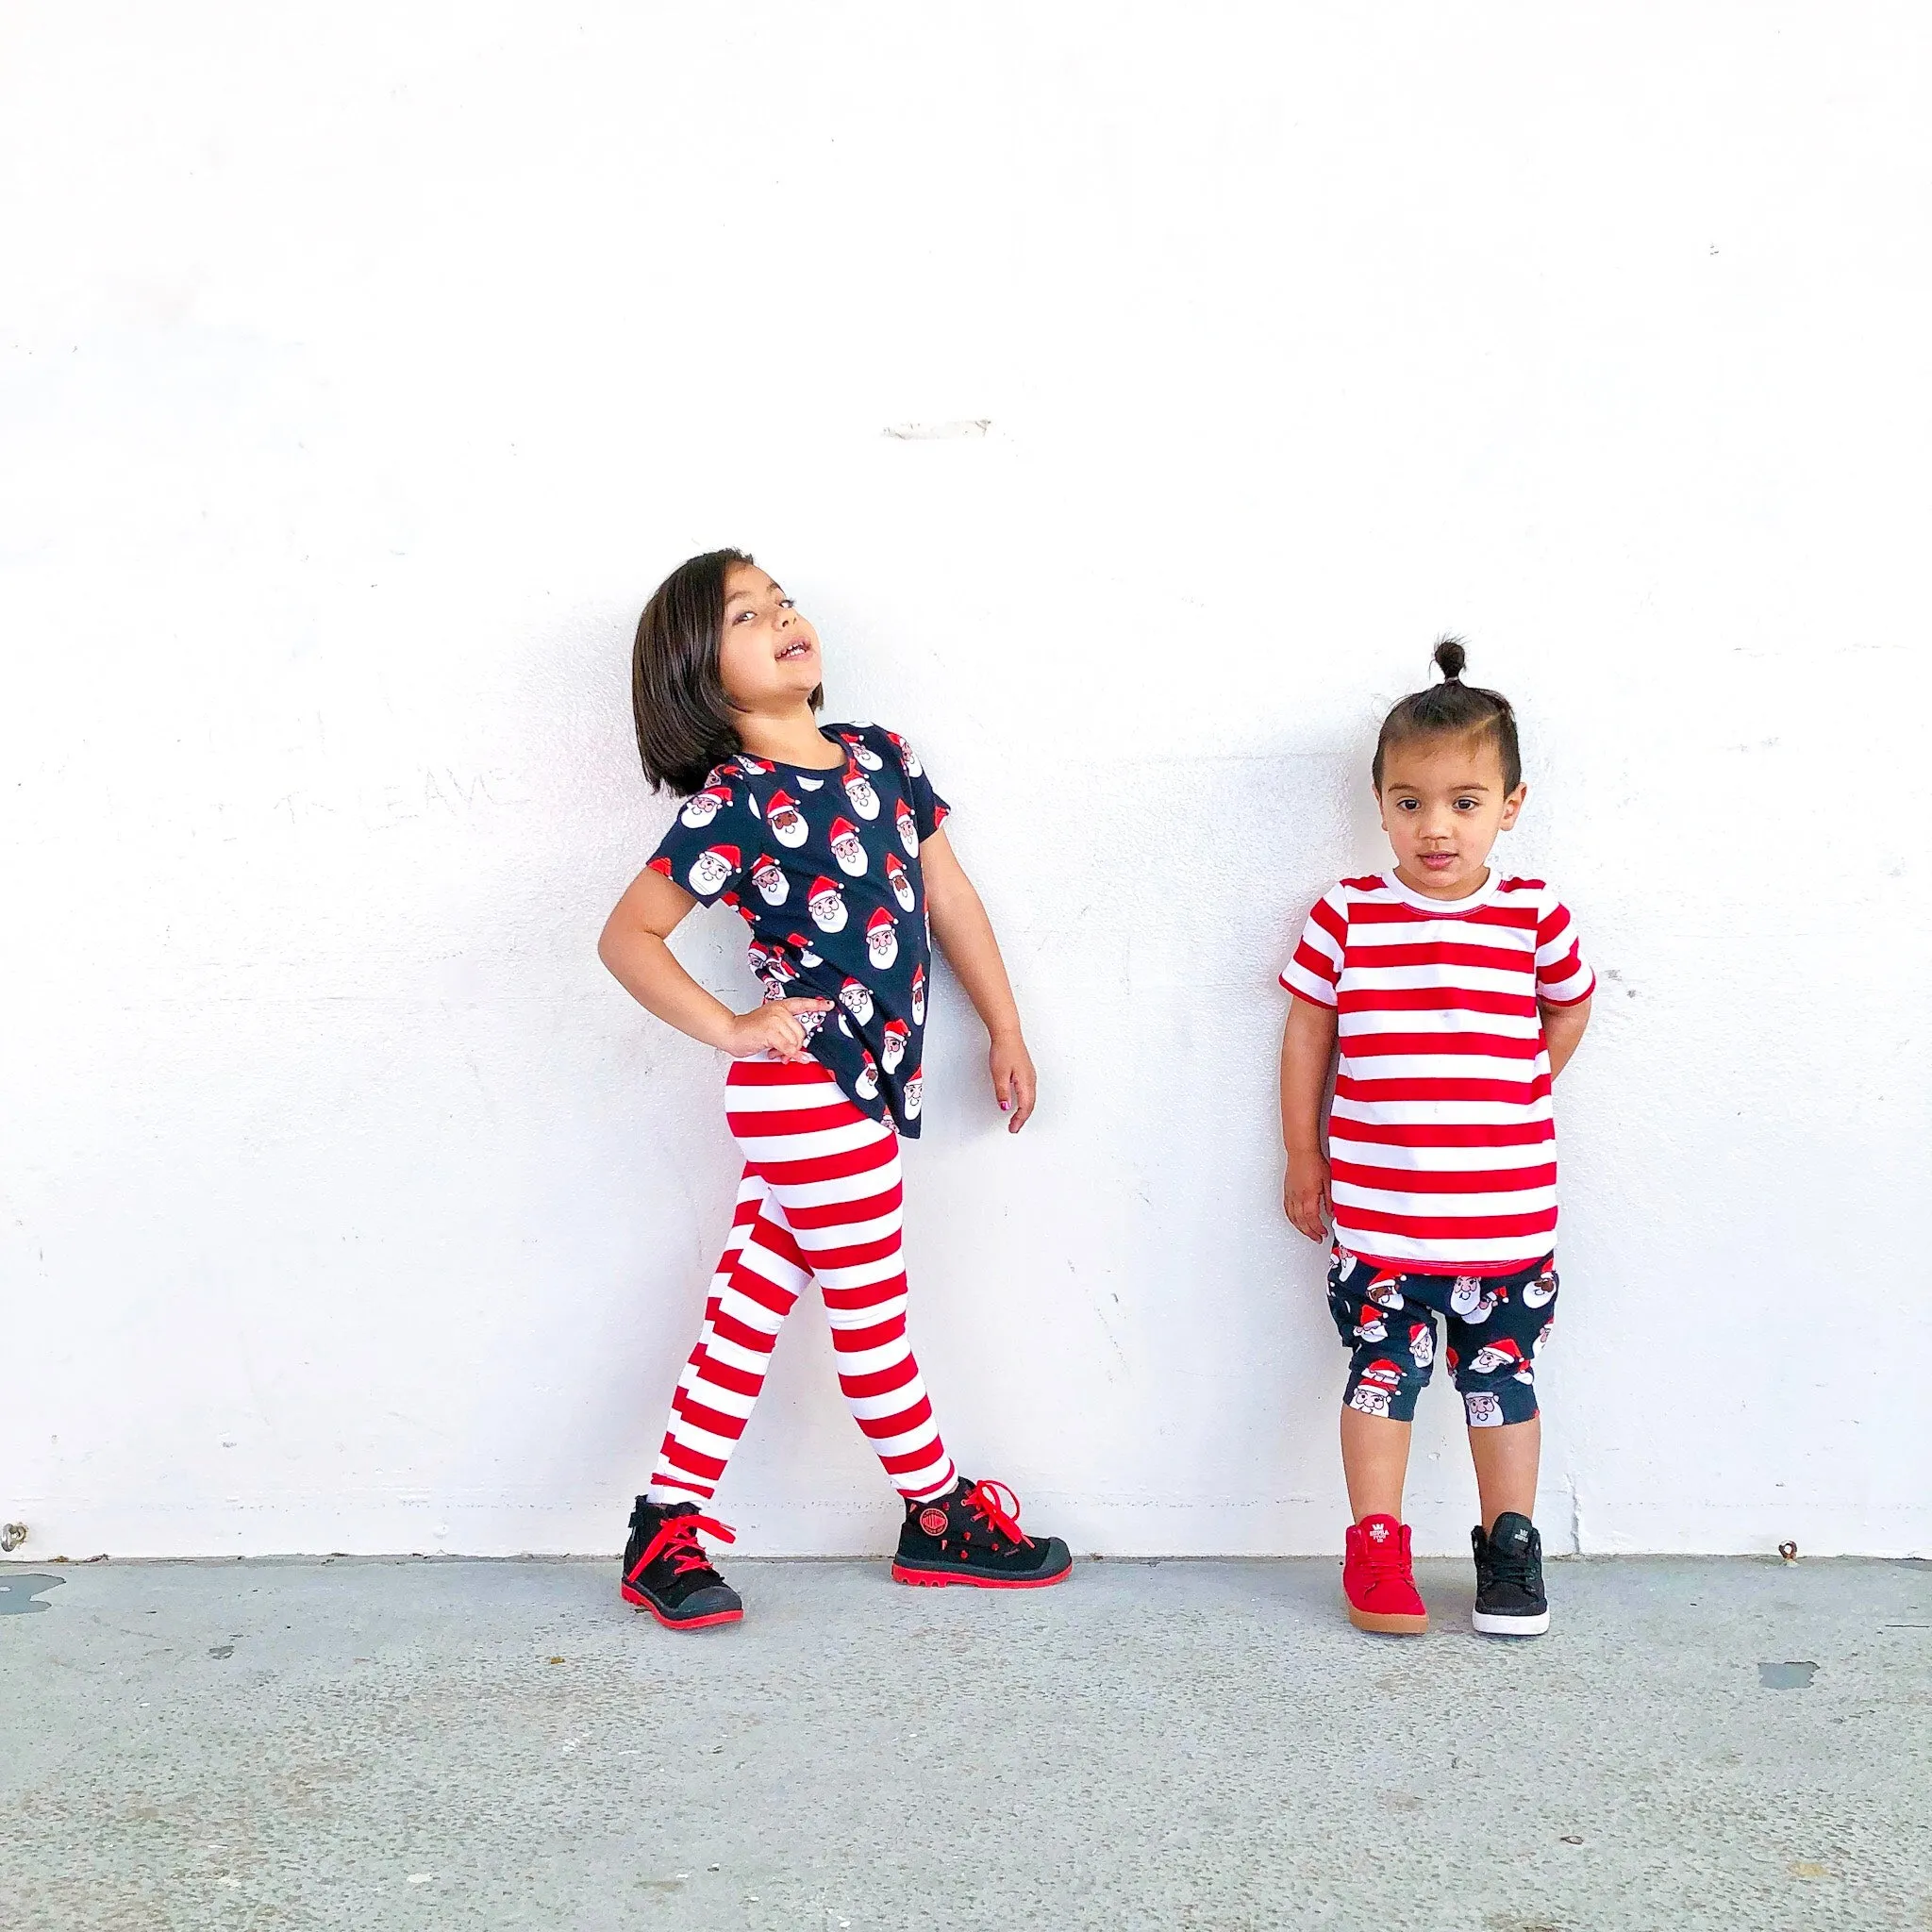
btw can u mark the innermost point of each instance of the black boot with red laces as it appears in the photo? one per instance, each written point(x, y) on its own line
point(971, 1535)
point(667, 1572)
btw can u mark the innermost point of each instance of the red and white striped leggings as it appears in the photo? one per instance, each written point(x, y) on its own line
point(821, 1196)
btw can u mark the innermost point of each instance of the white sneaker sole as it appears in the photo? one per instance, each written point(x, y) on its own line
point(1509, 1626)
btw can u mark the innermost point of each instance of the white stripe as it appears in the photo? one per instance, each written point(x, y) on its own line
point(1443, 1113)
point(1299, 979)
point(1446, 1021)
point(1439, 1160)
point(1515, 981)
point(1444, 1066)
point(769, 1150)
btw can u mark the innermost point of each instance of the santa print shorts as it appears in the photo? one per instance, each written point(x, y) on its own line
point(1496, 1323)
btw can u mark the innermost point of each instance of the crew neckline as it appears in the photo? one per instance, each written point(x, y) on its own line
point(1445, 908)
point(816, 771)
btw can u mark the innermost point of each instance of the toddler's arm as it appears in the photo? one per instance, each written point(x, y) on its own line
point(965, 934)
point(1307, 1045)
point(633, 947)
point(1563, 1031)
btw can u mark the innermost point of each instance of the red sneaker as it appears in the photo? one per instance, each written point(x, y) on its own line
point(1378, 1581)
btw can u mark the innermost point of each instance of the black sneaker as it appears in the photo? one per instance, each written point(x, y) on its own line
point(971, 1535)
point(667, 1572)
point(1510, 1600)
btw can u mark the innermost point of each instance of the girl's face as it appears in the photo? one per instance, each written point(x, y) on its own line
point(1443, 806)
point(768, 657)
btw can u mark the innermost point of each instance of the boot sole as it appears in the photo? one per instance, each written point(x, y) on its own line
point(1388, 1622)
point(639, 1601)
point(940, 1579)
point(1488, 1626)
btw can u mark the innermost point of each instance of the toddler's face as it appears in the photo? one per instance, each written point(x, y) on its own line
point(1442, 805)
point(768, 657)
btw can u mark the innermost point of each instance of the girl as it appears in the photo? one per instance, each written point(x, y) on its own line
point(1459, 994)
point(828, 842)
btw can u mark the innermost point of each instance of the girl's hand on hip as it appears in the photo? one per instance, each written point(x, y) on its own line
point(1305, 1195)
point(1014, 1082)
point(774, 1027)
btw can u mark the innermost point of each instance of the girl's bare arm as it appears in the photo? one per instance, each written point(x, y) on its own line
point(633, 947)
point(965, 935)
point(1563, 1032)
point(1307, 1045)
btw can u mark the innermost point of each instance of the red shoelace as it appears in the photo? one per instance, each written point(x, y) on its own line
point(678, 1542)
point(997, 1507)
point(1383, 1559)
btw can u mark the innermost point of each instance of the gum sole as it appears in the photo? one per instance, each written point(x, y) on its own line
point(1384, 1624)
point(939, 1580)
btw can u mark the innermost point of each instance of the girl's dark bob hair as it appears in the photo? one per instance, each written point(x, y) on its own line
point(1454, 710)
point(687, 723)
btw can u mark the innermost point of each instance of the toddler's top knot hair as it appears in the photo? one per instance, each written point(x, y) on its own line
point(1453, 710)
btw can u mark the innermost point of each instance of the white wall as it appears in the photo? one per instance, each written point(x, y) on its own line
point(362, 368)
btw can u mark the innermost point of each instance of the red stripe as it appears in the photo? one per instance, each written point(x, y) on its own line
point(767, 1294)
point(1437, 999)
point(684, 1456)
point(1514, 1134)
point(1441, 953)
point(1588, 993)
point(856, 1300)
point(776, 1074)
point(839, 1213)
point(714, 1422)
point(733, 1330)
point(777, 1126)
point(881, 1381)
point(728, 1375)
point(1331, 922)
point(856, 1255)
point(1375, 1092)
point(1502, 1046)
point(863, 1341)
point(1373, 912)
point(830, 1167)
point(882, 1428)
point(1472, 1228)
point(1317, 965)
point(1430, 1180)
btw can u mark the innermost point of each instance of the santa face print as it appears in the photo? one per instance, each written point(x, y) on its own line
point(910, 760)
point(1370, 1326)
point(846, 848)
point(1383, 1291)
point(1422, 1345)
point(909, 830)
point(863, 752)
point(1490, 1357)
point(856, 1001)
point(897, 1034)
point(802, 946)
point(753, 768)
point(786, 823)
point(709, 870)
point(915, 1094)
point(1482, 1409)
point(805, 784)
point(700, 808)
point(867, 1084)
point(1467, 1300)
point(773, 887)
point(919, 996)
point(864, 800)
point(900, 881)
point(828, 906)
point(881, 939)
point(1537, 1293)
point(1344, 1264)
point(1370, 1400)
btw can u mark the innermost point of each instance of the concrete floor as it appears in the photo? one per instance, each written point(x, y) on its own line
point(378, 1743)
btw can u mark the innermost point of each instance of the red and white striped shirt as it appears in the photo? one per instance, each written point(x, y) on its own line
point(1441, 1141)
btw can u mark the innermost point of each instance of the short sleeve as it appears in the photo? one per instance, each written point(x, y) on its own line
point(1563, 977)
point(929, 810)
point(710, 840)
point(1314, 974)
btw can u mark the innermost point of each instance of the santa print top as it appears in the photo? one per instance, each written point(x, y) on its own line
point(823, 867)
point(1442, 1139)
